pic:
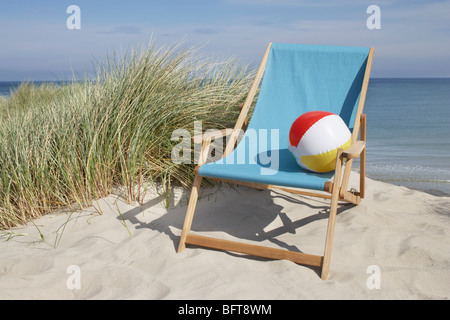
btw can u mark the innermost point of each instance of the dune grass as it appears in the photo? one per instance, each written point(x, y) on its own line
point(69, 144)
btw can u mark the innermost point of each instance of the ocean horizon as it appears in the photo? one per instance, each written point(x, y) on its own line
point(407, 131)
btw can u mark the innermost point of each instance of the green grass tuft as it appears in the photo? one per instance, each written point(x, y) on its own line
point(73, 143)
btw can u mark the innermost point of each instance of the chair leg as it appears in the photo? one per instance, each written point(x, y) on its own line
point(190, 212)
point(332, 217)
point(362, 171)
point(362, 174)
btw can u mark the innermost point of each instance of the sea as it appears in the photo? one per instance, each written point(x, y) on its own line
point(408, 132)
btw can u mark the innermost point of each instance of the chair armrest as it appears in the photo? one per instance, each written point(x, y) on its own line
point(354, 150)
point(211, 135)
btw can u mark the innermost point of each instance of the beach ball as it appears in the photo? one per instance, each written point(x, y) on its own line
point(314, 139)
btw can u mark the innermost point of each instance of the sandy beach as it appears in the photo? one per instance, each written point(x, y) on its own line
point(129, 252)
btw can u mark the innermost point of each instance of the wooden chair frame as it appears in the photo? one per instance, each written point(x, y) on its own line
point(335, 190)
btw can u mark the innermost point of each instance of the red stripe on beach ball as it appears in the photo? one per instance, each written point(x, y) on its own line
point(303, 123)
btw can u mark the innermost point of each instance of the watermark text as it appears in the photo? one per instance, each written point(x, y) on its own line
point(74, 20)
point(374, 20)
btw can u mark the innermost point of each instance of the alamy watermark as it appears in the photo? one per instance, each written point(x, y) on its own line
point(74, 280)
point(374, 280)
point(74, 20)
point(374, 20)
point(247, 153)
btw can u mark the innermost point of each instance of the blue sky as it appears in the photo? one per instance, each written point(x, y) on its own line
point(35, 43)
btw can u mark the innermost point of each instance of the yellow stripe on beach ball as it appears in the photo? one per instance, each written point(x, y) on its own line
point(324, 162)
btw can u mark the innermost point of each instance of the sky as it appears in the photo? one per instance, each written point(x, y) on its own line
point(36, 44)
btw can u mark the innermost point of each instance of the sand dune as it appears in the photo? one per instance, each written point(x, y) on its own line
point(129, 252)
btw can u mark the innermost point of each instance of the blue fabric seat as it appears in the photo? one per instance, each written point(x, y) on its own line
point(297, 79)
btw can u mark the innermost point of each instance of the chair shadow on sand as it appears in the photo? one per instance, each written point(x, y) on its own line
point(216, 212)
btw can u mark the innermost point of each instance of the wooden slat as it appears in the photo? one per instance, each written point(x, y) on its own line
point(190, 212)
point(344, 195)
point(245, 125)
point(262, 186)
point(332, 216)
point(345, 177)
point(251, 95)
point(362, 160)
point(350, 197)
point(362, 96)
point(256, 250)
point(304, 192)
point(354, 150)
point(254, 185)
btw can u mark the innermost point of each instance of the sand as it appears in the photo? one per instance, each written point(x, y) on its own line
point(394, 245)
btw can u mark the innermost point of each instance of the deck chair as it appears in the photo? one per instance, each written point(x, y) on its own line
point(294, 79)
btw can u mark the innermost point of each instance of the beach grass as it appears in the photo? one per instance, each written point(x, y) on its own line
point(66, 145)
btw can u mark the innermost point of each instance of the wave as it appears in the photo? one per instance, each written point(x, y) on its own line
point(409, 171)
point(411, 175)
point(415, 180)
